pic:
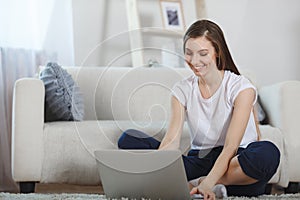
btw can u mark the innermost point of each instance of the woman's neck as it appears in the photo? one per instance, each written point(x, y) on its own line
point(209, 85)
point(212, 79)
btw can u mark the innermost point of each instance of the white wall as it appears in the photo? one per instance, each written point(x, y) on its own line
point(263, 35)
point(89, 22)
point(101, 30)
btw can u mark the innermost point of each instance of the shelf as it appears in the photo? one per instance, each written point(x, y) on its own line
point(162, 32)
point(136, 33)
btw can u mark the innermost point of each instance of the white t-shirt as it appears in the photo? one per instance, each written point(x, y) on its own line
point(209, 119)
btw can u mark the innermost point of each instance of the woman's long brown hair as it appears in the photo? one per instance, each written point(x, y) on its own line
point(213, 33)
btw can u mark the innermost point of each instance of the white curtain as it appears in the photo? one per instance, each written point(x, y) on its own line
point(32, 33)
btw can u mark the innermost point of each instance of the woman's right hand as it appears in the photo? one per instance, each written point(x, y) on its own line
point(207, 193)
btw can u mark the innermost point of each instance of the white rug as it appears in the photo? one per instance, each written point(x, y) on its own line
point(9, 196)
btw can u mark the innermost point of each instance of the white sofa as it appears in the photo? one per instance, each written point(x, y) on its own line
point(115, 99)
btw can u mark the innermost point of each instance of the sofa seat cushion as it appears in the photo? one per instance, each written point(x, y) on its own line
point(69, 147)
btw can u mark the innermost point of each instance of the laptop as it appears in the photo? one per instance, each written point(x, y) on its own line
point(137, 174)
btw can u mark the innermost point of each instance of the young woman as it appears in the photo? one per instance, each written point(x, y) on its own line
point(218, 104)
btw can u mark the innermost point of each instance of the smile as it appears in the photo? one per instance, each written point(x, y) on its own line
point(198, 68)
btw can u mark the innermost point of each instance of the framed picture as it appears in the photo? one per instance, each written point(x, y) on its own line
point(172, 15)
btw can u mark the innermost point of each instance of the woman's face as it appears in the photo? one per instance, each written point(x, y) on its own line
point(200, 55)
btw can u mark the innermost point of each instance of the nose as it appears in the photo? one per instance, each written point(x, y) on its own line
point(195, 60)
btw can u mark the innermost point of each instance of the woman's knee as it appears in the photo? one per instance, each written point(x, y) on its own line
point(273, 151)
point(260, 160)
point(135, 139)
point(267, 154)
point(235, 174)
point(125, 137)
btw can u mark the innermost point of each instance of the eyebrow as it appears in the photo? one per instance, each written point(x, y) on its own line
point(187, 49)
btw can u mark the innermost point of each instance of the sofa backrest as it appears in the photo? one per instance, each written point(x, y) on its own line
point(126, 93)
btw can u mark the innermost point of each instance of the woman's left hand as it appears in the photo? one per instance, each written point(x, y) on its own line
point(207, 193)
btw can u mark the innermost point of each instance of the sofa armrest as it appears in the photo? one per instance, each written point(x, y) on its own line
point(281, 102)
point(27, 129)
point(269, 133)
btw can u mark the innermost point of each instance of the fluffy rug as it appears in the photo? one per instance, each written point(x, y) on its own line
point(9, 196)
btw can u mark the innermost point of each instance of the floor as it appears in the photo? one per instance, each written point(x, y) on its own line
point(66, 188)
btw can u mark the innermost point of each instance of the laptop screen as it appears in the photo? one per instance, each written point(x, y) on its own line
point(140, 174)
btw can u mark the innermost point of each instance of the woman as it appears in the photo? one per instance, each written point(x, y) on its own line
point(217, 103)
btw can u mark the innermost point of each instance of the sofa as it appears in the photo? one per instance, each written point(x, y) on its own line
point(117, 99)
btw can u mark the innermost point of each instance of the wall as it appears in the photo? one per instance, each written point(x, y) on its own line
point(90, 24)
point(101, 30)
point(262, 34)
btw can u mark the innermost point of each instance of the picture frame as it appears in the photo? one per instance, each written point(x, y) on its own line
point(172, 15)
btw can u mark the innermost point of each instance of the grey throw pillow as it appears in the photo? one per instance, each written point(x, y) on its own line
point(63, 100)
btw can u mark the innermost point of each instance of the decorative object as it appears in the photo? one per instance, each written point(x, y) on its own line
point(153, 63)
point(172, 15)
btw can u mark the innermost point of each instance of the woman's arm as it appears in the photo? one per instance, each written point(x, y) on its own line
point(243, 106)
point(256, 122)
point(173, 135)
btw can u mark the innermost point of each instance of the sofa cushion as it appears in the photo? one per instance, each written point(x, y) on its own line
point(71, 160)
point(118, 93)
point(63, 101)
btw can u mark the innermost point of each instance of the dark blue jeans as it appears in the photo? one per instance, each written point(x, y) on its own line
point(259, 160)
